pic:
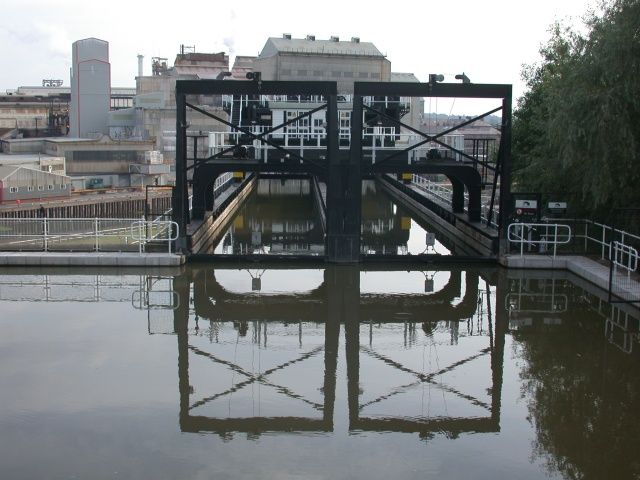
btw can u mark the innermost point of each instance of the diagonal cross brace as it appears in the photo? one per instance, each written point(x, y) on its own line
point(422, 378)
point(252, 378)
point(433, 138)
point(260, 137)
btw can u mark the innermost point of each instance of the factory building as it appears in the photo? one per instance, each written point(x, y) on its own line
point(90, 88)
point(26, 184)
point(344, 62)
point(91, 163)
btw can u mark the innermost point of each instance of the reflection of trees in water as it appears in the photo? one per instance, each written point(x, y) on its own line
point(583, 396)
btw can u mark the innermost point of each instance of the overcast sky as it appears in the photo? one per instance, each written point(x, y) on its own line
point(487, 39)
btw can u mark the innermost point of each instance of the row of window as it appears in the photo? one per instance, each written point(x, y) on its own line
point(334, 73)
point(121, 102)
point(40, 188)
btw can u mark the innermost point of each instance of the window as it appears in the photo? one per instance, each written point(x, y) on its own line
point(30, 188)
point(348, 74)
point(318, 73)
point(40, 188)
point(302, 73)
point(63, 186)
point(336, 74)
point(13, 189)
point(50, 187)
point(363, 75)
point(375, 75)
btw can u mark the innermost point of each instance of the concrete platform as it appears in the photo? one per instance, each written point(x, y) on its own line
point(583, 267)
point(91, 259)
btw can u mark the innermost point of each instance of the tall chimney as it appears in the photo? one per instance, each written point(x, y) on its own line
point(140, 67)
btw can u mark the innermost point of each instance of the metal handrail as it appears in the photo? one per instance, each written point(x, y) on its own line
point(43, 233)
point(555, 239)
point(156, 228)
point(445, 194)
point(620, 252)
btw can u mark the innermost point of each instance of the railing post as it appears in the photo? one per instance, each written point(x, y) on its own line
point(95, 229)
point(586, 236)
point(140, 229)
point(604, 237)
point(555, 240)
point(44, 232)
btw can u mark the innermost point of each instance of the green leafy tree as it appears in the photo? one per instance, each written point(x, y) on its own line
point(577, 129)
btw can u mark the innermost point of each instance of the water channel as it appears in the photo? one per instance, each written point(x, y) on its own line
point(250, 371)
point(280, 217)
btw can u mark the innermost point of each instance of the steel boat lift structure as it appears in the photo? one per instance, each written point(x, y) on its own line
point(342, 170)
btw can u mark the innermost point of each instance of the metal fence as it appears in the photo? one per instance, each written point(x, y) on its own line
point(445, 194)
point(86, 234)
point(538, 237)
point(624, 281)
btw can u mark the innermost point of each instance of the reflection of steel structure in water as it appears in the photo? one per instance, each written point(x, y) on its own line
point(212, 301)
point(384, 228)
point(281, 218)
point(341, 294)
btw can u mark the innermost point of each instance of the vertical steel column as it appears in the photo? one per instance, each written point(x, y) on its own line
point(335, 216)
point(181, 285)
point(181, 191)
point(344, 187)
point(505, 174)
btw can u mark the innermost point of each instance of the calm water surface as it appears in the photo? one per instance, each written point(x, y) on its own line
point(317, 373)
point(281, 218)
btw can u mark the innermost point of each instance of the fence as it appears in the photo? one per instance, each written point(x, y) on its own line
point(624, 281)
point(538, 236)
point(445, 194)
point(85, 234)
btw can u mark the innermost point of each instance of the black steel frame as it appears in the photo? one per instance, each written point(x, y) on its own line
point(343, 175)
point(453, 170)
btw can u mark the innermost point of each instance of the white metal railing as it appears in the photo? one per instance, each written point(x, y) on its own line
point(84, 234)
point(221, 182)
point(599, 234)
point(445, 194)
point(548, 234)
point(624, 256)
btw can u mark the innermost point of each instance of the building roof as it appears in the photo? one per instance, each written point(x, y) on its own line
point(276, 45)
point(17, 159)
point(7, 171)
point(404, 77)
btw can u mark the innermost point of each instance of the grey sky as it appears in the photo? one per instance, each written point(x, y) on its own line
point(489, 40)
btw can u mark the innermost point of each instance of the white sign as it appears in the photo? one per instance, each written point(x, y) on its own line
point(526, 204)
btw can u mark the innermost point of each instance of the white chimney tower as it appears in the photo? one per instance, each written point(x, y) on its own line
point(140, 67)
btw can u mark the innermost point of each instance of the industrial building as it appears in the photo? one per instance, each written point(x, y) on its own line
point(90, 88)
point(343, 62)
point(26, 184)
point(100, 162)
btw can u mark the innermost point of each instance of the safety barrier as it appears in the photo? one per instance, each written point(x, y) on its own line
point(84, 234)
point(539, 234)
point(445, 194)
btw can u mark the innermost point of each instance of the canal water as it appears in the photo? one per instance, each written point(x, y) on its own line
point(280, 217)
point(341, 372)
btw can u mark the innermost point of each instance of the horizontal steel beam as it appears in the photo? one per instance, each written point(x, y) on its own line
point(235, 87)
point(414, 89)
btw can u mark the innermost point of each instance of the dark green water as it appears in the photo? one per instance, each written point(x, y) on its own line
point(336, 373)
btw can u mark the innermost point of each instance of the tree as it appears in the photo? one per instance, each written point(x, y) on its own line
point(577, 129)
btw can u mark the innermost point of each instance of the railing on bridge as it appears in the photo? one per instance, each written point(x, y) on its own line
point(445, 194)
point(85, 234)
